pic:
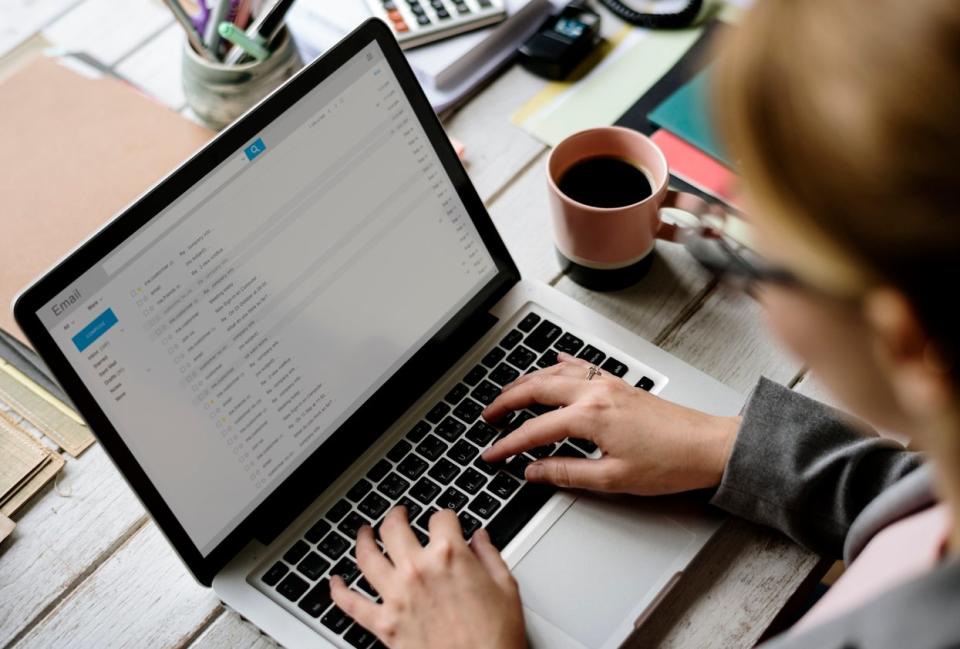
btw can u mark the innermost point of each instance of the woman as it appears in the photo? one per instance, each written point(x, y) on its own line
point(845, 117)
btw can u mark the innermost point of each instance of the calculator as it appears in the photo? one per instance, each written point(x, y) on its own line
point(416, 22)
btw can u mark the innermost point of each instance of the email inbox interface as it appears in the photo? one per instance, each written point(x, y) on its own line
point(232, 344)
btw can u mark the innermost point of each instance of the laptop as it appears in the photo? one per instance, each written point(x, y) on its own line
point(298, 329)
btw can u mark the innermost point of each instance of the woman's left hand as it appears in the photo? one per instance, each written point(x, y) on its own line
point(447, 594)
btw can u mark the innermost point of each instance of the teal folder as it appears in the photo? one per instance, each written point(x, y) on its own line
point(686, 114)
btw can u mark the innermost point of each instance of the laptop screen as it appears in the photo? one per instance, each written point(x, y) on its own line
point(229, 337)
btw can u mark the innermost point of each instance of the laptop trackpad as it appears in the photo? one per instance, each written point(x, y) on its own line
point(597, 563)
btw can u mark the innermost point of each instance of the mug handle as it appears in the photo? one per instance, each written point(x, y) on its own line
point(686, 202)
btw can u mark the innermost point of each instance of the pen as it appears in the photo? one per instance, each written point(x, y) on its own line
point(218, 13)
point(235, 35)
point(266, 25)
point(192, 36)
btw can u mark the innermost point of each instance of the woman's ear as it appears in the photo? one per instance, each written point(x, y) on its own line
point(916, 372)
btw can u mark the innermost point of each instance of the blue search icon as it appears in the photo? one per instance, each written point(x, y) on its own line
point(255, 149)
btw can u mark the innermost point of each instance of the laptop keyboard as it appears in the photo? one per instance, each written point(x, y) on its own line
point(437, 465)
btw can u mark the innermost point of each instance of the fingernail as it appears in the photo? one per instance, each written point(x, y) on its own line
point(534, 471)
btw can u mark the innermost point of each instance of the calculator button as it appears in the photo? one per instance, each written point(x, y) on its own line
point(401, 26)
point(423, 20)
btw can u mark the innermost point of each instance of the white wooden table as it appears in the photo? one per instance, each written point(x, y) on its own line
point(86, 567)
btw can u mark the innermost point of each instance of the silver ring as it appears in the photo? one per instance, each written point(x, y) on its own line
point(592, 371)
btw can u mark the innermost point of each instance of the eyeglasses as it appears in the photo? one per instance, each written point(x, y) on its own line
point(726, 257)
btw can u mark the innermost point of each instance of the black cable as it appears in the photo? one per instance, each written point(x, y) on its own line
point(682, 18)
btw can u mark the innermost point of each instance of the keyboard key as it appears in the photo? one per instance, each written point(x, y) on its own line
point(503, 374)
point(486, 392)
point(413, 508)
point(518, 512)
point(528, 323)
point(292, 587)
point(511, 339)
point(365, 586)
point(485, 467)
point(313, 566)
point(584, 444)
point(431, 448)
point(424, 520)
point(275, 573)
point(359, 490)
point(456, 393)
point(521, 357)
point(296, 552)
point(452, 499)
point(481, 433)
point(565, 450)
point(338, 511)
point(517, 466)
point(614, 366)
point(493, 357)
point(412, 467)
point(468, 410)
point(336, 620)
point(418, 432)
point(399, 451)
point(346, 569)
point(471, 481)
point(316, 532)
point(444, 471)
point(540, 452)
point(422, 537)
point(374, 506)
point(333, 545)
point(425, 490)
point(351, 524)
point(468, 524)
point(503, 486)
point(646, 383)
point(592, 355)
point(568, 343)
point(543, 336)
point(380, 469)
point(484, 504)
point(317, 600)
point(437, 413)
point(450, 429)
point(462, 452)
point(473, 376)
point(392, 486)
point(548, 359)
point(357, 636)
point(519, 420)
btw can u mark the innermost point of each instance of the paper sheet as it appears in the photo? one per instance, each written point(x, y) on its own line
point(602, 96)
point(21, 19)
point(108, 30)
point(155, 68)
point(23, 457)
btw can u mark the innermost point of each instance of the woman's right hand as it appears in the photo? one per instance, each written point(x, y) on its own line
point(649, 446)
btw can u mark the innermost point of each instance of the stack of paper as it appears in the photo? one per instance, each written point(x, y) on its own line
point(27, 466)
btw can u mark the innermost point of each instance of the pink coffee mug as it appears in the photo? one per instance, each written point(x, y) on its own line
point(608, 248)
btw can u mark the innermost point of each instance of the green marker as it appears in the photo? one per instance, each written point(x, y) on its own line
point(235, 35)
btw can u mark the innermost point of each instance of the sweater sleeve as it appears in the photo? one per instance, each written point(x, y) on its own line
point(806, 469)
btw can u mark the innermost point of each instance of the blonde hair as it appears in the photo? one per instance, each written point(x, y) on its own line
point(844, 117)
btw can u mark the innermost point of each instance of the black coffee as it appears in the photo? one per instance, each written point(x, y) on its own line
point(605, 182)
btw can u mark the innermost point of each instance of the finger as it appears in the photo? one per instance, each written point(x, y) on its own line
point(571, 472)
point(371, 560)
point(564, 357)
point(361, 609)
point(397, 536)
point(546, 390)
point(444, 524)
point(489, 556)
point(551, 426)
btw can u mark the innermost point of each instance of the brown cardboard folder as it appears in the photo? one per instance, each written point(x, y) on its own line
point(75, 151)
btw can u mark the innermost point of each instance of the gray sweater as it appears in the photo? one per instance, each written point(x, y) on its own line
point(830, 483)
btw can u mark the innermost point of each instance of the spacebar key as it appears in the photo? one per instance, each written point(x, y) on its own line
point(518, 513)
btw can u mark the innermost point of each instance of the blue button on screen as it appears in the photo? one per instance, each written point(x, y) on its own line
point(255, 149)
point(99, 326)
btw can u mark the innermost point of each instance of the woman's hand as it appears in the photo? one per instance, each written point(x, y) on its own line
point(447, 594)
point(650, 446)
